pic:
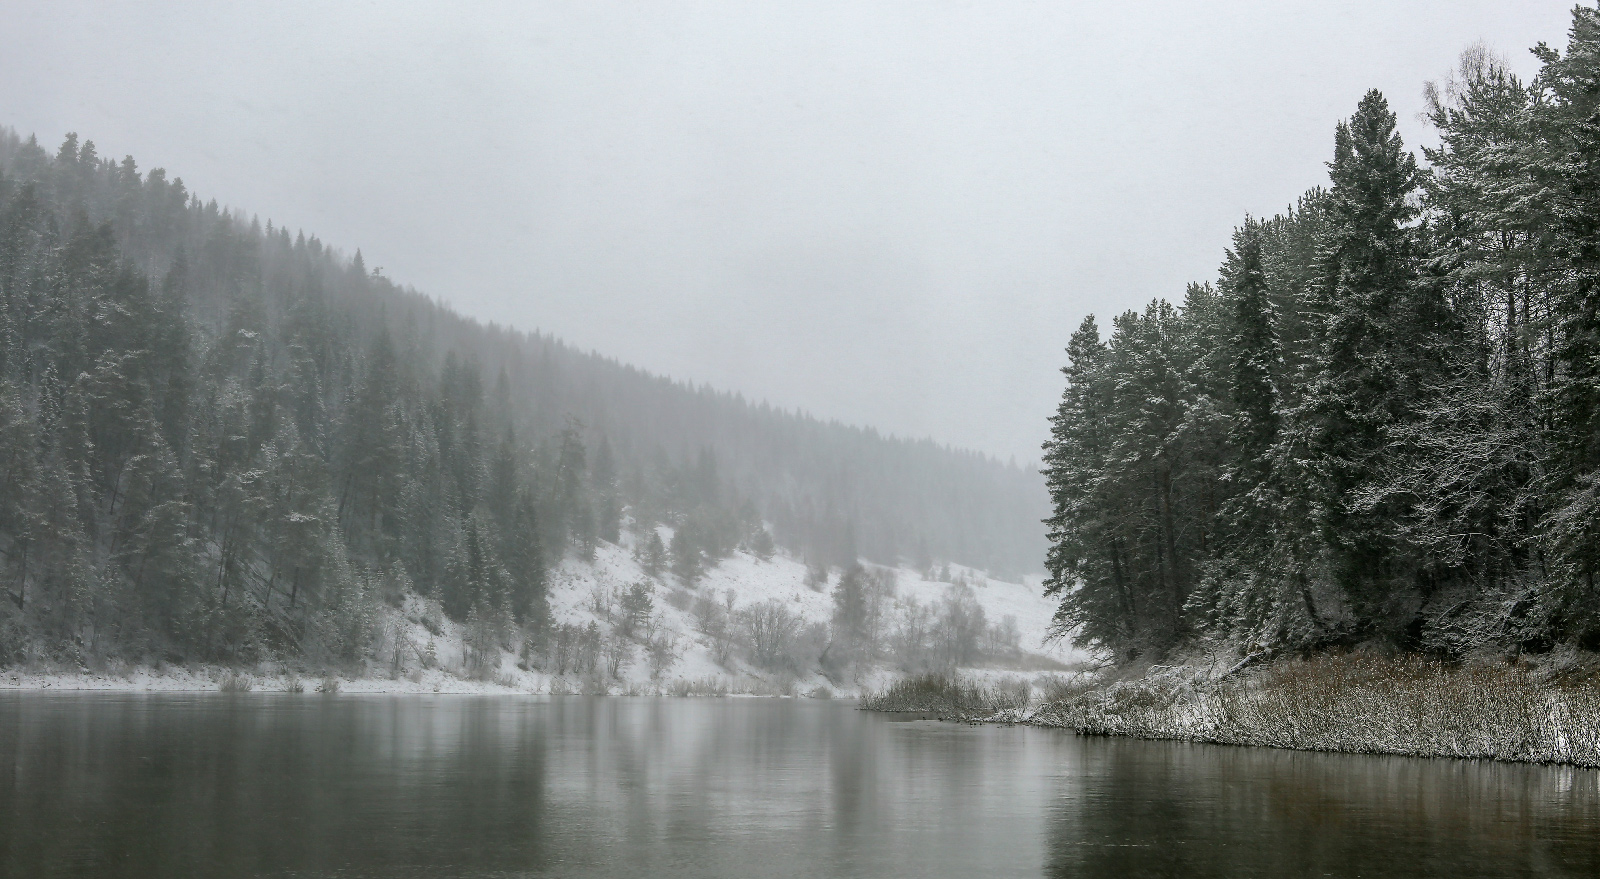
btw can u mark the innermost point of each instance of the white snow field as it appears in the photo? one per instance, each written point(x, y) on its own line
point(432, 649)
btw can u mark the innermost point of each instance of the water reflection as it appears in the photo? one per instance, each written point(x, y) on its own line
point(1138, 809)
point(280, 785)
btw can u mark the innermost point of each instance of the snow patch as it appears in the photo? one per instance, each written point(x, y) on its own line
point(434, 652)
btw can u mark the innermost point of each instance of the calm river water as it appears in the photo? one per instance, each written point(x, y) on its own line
point(405, 786)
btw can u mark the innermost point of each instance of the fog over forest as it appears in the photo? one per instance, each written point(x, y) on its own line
point(419, 420)
point(225, 435)
point(229, 434)
point(894, 215)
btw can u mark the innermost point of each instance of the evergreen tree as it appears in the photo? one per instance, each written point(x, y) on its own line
point(1374, 343)
point(655, 554)
point(604, 478)
point(688, 555)
point(1085, 560)
point(1254, 348)
point(525, 564)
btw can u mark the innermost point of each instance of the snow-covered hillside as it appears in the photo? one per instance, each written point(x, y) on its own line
point(580, 593)
point(669, 648)
point(667, 651)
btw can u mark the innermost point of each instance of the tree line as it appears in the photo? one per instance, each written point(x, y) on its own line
point(1381, 424)
point(223, 440)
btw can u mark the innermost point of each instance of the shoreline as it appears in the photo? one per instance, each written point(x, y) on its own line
point(273, 678)
point(224, 679)
point(1352, 704)
point(211, 680)
point(220, 680)
point(1355, 704)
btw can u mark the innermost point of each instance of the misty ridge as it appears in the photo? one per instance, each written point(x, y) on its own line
point(223, 440)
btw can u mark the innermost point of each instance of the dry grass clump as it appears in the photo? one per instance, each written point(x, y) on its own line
point(949, 696)
point(1358, 704)
point(234, 682)
point(708, 686)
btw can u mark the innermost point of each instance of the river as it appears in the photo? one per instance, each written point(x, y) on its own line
point(266, 784)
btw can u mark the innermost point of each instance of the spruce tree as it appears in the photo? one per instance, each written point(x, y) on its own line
point(1365, 342)
point(655, 554)
point(1254, 348)
point(1083, 548)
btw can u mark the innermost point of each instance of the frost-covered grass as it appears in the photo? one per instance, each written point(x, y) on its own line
point(949, 696)
point(1357, 703)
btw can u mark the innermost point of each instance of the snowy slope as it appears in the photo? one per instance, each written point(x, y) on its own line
point(749, 580)
point(419, 650)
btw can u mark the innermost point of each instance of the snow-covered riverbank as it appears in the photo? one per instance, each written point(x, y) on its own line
point(1360, 703)
point(1366, 704)
point(184, 679)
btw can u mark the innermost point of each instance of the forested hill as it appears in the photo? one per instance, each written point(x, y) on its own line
point(219, 434)
point(1382, 424)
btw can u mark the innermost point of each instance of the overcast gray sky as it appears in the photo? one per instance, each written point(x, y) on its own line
point(887, 213)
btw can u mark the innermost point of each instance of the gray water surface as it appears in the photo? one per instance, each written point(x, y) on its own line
point(310, 786)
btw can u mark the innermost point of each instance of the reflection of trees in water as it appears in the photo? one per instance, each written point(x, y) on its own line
point(265, 784)
point(1141, 808)
point(261, 783)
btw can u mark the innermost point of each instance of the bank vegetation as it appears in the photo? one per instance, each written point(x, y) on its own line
point(1355, 703)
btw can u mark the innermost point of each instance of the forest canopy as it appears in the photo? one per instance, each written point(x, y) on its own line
point(226, 440)
point(1382, 423)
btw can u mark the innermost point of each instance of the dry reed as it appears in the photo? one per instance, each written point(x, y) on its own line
point(1355, 704)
